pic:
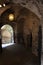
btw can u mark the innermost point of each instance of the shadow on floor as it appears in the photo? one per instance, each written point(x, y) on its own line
point(16, 55)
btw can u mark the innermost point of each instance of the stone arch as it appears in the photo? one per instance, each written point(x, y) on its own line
point(7, 33)
point(20, 28)
point(4, 19)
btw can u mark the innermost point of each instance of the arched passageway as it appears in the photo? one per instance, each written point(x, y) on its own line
point(7, 35)
point(22, 31)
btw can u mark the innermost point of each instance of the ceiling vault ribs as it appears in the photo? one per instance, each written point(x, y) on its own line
point(26, 4)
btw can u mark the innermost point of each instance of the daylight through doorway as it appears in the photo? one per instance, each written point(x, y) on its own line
point(7, 35)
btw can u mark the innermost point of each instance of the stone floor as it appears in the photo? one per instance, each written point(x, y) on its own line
point(17, 55)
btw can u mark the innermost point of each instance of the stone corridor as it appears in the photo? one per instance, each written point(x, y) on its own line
point(26, 19)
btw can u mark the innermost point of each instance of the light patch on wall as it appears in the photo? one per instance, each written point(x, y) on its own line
point(6, 45)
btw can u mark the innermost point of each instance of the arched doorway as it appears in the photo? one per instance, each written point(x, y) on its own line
point(7, 35)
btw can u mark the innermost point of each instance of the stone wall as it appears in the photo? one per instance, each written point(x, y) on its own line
point(31, 25)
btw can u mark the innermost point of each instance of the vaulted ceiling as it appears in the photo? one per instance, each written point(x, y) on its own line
point(29, 4)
